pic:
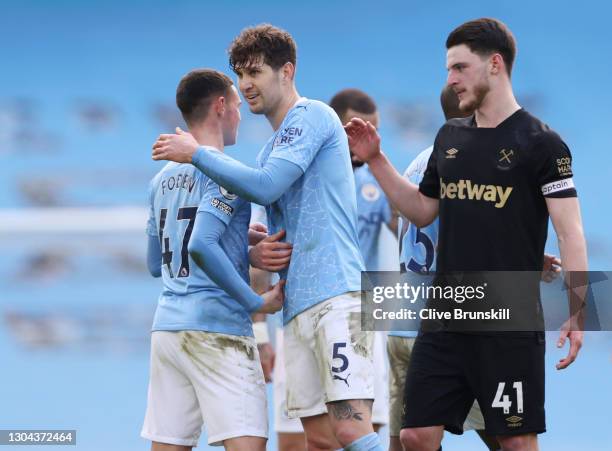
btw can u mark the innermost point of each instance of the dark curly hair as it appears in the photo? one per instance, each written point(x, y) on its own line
point(272, 44)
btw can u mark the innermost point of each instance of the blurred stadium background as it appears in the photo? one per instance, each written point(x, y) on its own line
point(85, 88)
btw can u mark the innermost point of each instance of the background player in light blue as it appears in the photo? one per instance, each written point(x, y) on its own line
point(373, 208)
point(304, 177)
point(202, 346)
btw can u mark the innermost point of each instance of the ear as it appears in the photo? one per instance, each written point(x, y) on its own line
point(496, 64)
point(220, 106)
point(288, 72)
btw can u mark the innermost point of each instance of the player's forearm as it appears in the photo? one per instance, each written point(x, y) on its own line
point(403, 194)
point(205, 250)
point(572, 247)
point(262, 186)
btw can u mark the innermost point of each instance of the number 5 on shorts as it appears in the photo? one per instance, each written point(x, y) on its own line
point(338, 355)
point(504, 402)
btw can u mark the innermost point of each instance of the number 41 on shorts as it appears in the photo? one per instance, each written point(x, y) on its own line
point(504, 402)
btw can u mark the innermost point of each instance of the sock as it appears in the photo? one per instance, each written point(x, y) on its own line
point(369, 442)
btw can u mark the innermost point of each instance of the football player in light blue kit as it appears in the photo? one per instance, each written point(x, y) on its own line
point(304, 179)
point(373, 209)
point(373, 212)
point(202, 348)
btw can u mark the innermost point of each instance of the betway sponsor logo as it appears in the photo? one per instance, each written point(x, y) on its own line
point(466, 189)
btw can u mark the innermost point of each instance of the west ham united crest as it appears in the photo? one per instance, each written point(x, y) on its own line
point(506, 159)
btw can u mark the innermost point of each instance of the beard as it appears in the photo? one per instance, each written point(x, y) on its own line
point(480, 92)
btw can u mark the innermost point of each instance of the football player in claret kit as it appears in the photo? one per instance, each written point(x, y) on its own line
point(303, 176)
point(417, 252)
point(494, 178)
point(204, 362)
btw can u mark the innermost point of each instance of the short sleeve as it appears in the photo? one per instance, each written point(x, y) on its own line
point(430, 185)
point(302, 135)
point(555, 176)
point(151, 222)
point(220, 202)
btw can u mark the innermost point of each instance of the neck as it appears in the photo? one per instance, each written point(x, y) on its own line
point(276, 117)
point(208, 134)
point(496, 107)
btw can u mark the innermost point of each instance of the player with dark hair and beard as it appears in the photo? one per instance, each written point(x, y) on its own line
point(494, 179)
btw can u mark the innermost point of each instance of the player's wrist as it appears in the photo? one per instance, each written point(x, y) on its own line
point(377, 158)
point(197, 154)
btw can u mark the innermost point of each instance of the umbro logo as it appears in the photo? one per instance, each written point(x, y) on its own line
point(451, 153)
point(514, 421)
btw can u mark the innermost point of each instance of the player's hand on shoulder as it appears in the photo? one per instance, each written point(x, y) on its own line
point(271, 254)
point(178, 147)
point(273, 299)
point(364, 140)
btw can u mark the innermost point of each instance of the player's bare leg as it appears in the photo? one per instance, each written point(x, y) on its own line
point(527, 442)
point(291, 441)
point(319, 433)
point(156, 446)
point(246, 443)
point(395, 444)
point(350, 419)
point(422, 439)
point(489, 440)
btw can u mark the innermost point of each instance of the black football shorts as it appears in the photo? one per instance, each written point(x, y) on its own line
point(504, 372)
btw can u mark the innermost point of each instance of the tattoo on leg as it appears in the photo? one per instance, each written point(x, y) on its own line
point(347, 410)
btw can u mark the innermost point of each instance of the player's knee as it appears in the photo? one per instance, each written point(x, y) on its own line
point(516, 443)
point(346, 433)
point(414, 440)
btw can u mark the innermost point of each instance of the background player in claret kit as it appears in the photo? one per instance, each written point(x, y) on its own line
point(202, 348)
point(536, 181)
point(304, 177)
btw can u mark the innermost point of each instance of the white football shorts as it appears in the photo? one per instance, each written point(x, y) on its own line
point(327, 356)
point(203, 378)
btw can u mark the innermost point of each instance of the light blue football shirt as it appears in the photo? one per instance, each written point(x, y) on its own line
point(319, 211)
point(373, 211)
point(190, 300)
point(417, 245)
